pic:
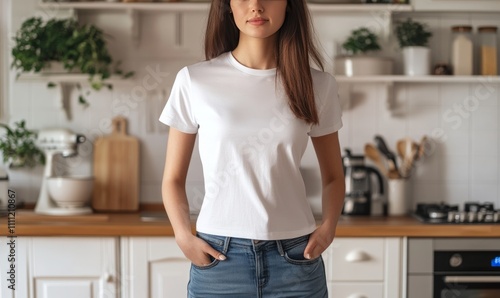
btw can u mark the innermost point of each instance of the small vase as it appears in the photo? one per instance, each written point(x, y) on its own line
point(417, 61)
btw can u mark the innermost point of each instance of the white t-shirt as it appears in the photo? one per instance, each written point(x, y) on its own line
point(250, 145)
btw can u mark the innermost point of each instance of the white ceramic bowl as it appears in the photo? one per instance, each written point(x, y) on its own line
point(71, 191)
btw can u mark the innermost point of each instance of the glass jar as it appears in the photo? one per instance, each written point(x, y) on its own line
point(462, 51)
point(488, 50)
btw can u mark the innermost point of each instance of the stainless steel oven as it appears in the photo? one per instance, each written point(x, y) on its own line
point(467, 274)
point(453, 268)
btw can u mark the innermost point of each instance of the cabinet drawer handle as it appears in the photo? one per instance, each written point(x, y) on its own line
point(107, 277)
point(357, 296)
point(357, 256)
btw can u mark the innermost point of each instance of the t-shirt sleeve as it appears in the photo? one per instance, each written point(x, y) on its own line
point(328, 107)
point(178, 112)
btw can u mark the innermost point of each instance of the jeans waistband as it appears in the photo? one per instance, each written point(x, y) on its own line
point(282, 244)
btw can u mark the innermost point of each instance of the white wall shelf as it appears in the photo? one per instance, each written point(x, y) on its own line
point(346, 83)
point(315, 7)
point(173, 7)
point(186, 6)
point(66, 82)
point(418, 79)
point(83, 78)
point(70, 78)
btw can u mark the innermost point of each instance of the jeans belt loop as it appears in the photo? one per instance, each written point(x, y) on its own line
point(280, 247)
point(226, 244)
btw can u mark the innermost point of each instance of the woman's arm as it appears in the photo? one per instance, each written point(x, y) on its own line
point(179, 150)
point(333, 184)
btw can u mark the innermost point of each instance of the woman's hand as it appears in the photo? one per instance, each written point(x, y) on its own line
point(198, 251)
point(319, 241)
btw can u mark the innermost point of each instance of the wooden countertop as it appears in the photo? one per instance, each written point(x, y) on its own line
point(28, 223)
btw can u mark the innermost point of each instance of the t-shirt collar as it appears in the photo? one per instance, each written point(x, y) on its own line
point(248, 70)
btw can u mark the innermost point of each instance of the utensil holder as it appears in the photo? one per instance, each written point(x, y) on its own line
point(398, 196)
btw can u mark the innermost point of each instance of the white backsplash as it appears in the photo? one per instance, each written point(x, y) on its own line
point(464, 164)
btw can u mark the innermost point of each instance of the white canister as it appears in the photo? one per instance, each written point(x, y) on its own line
point(417, 61)
point(398, 197)
point(4, 189)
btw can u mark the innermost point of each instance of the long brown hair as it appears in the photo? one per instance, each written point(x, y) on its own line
point(294, 47)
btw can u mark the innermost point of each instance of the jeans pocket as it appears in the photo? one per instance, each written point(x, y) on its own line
point(295, 254)
point(216, 242)
point(213, 263)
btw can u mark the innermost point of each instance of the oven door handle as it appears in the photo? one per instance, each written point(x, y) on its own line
point(472, 279)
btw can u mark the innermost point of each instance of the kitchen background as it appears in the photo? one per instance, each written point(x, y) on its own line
point(463, 164)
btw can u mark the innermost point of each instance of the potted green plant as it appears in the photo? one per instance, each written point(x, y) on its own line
point(18, 146)
point(64, 45)
point(413, 37)
point(357, 60)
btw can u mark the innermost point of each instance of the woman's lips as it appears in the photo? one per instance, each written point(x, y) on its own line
point(257, 21)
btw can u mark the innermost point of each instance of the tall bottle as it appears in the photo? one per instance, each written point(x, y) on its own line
point(488, 48)
point(462, 51)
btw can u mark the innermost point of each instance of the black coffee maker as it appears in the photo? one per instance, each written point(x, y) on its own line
point(359, 196)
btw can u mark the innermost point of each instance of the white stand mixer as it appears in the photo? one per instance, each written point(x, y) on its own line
point(52, 142)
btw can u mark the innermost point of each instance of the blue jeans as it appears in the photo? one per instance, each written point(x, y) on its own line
point(253, 269)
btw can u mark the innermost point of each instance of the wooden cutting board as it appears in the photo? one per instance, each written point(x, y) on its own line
point(116, 170)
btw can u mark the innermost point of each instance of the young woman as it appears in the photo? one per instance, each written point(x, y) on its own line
point(254, 103)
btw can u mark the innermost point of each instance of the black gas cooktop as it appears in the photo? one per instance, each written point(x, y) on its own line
point(470, 213)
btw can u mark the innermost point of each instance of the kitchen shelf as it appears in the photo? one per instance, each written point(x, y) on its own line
point(315, 7)
point(418, 79)
point(388, 81)
point(70, 78)
point(187, 6)
point(173, 6)
point(66, 82)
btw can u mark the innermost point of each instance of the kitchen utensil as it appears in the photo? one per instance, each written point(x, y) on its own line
point(391, 158)
point(421, 147)
point(360, 194)
point(116, 170)
point(54, 142)
point(374, 155)
point(408, 151)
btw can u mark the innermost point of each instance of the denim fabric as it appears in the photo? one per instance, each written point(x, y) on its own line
point(253, 269)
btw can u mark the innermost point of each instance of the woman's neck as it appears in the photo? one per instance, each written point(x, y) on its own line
point(256, 53)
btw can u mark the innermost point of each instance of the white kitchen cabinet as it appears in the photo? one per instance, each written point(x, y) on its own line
point(62, 267)
point(456, 5)
point(365, 267)
point(355, 290)
point(17, 258)
point(153, 267)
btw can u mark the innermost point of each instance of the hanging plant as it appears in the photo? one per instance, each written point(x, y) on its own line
point(78, 47)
